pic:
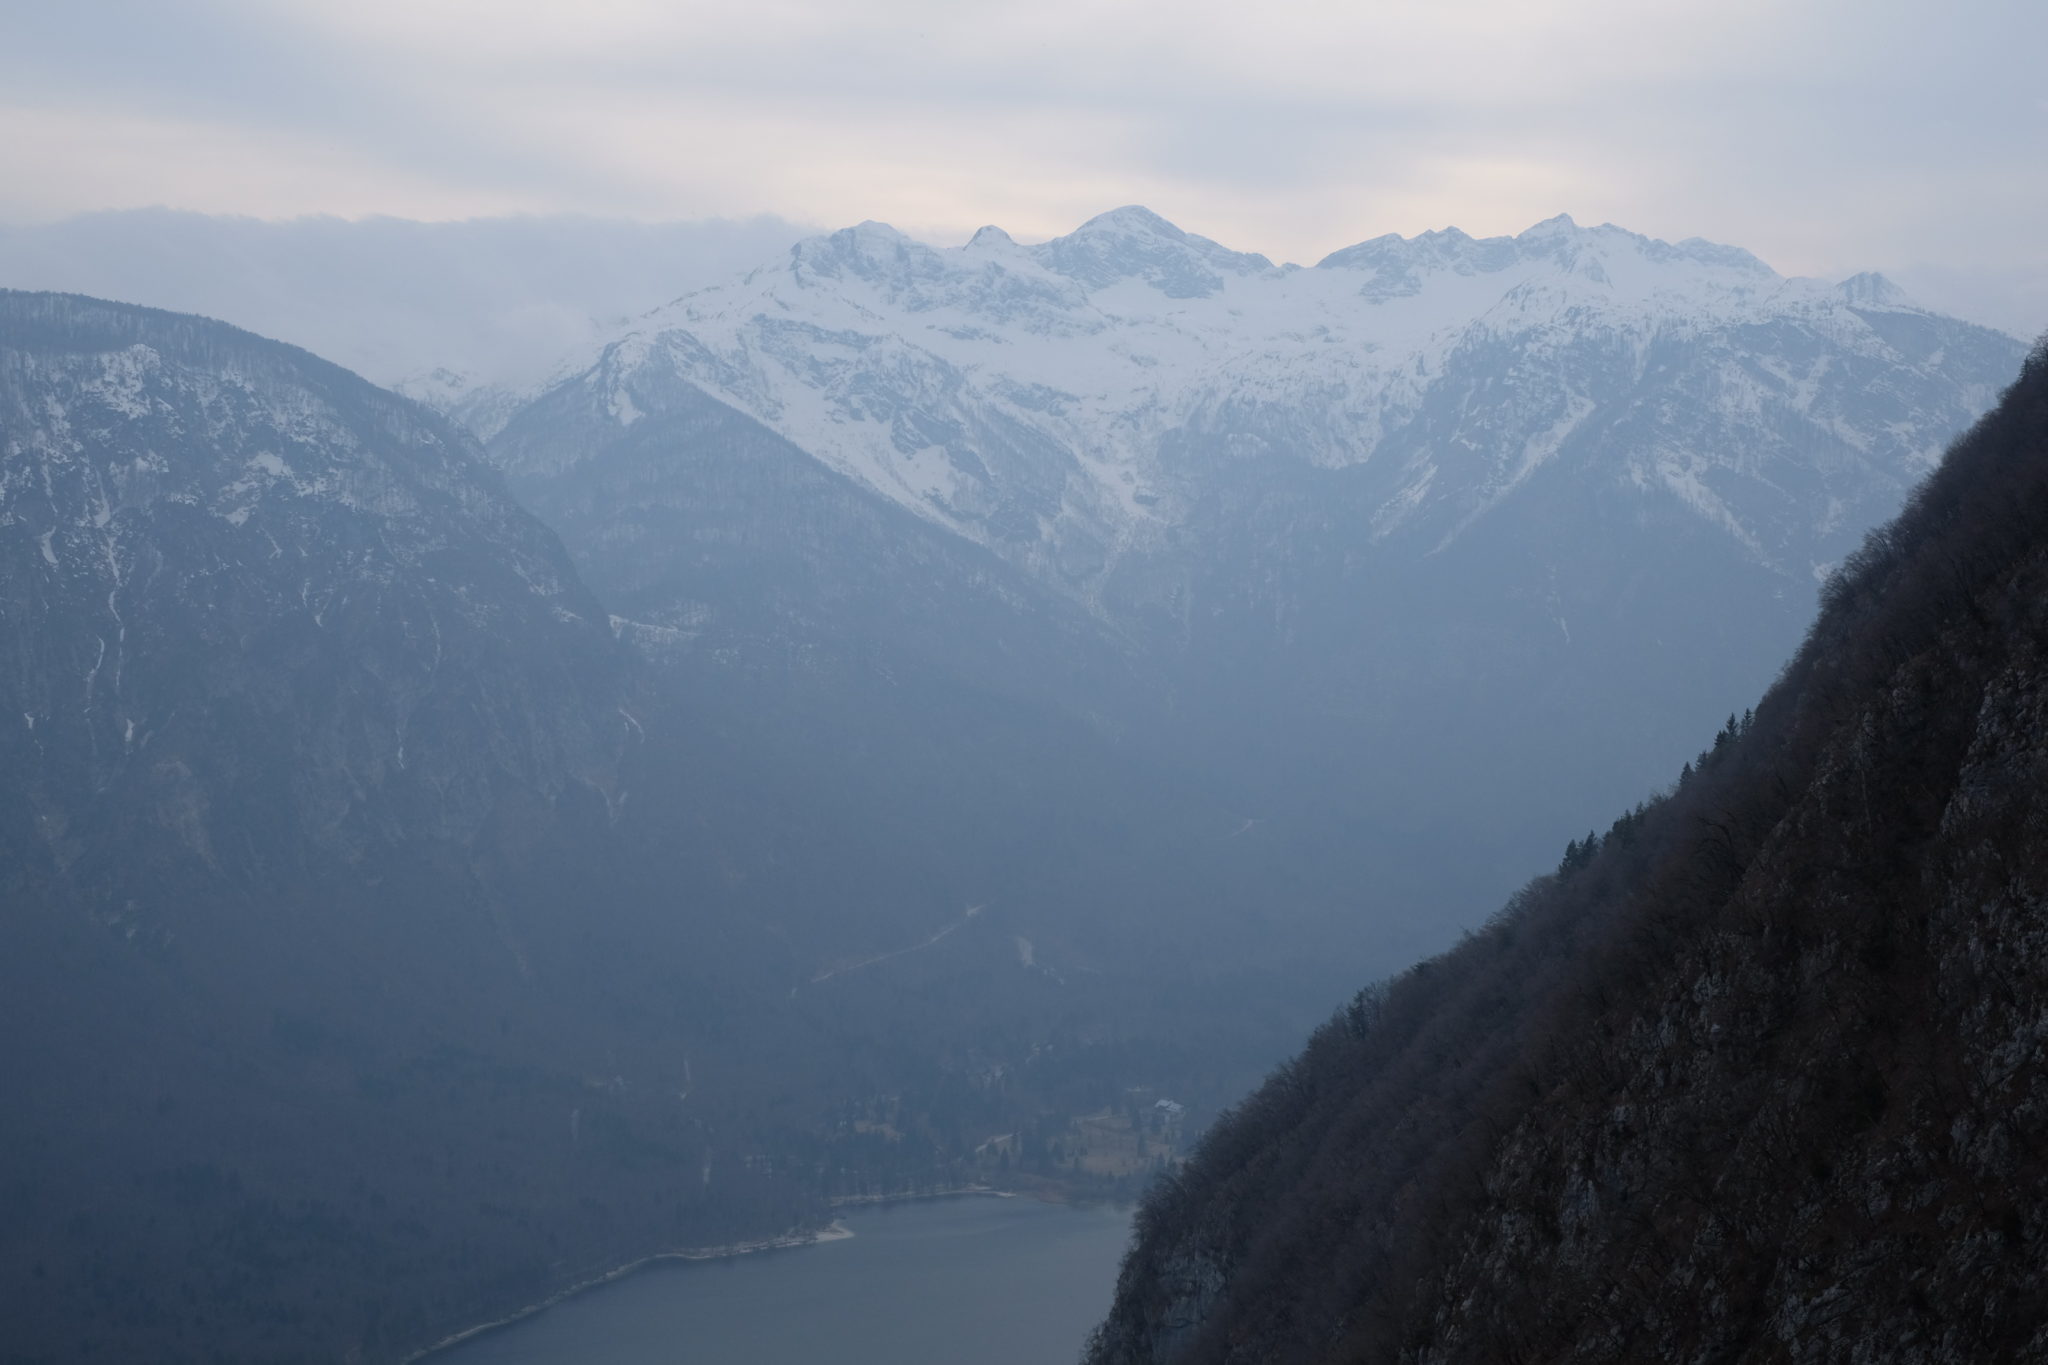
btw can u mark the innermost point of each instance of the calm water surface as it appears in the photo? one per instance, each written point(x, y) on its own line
point(974, 1281)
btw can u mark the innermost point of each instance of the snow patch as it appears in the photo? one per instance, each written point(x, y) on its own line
point(624, 411)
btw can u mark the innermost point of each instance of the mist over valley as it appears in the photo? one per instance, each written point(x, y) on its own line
point(584, 781)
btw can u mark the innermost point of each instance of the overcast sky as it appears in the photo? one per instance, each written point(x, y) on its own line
point(1827, 136)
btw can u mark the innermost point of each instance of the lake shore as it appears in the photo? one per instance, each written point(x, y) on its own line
point(930, 1281)
point(831, 1232)
point(835, 1231)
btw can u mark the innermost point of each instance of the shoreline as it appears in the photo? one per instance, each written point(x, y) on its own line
point(834, 1231)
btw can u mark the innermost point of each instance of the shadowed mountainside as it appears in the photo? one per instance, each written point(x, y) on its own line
point(1758, 1075)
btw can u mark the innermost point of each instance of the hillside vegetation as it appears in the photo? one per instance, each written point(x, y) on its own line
point(1756, 1075)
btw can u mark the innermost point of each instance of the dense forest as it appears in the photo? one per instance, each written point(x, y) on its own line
point(1757, 1074)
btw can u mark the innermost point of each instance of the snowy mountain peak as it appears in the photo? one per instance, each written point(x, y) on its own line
point(1396, 259)
point(868, 251)
point(1872, 290)
point(1367, 254)
point(1559, 225)
point(1726, 257)
point(1134, 243)
point(1605, 255)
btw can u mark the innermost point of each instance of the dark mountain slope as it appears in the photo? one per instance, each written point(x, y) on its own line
point(325, 965)
point(1758, 1076)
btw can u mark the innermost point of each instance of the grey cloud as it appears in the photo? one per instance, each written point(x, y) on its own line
point(1826, 136)
point(391, 299)
point(259, 70)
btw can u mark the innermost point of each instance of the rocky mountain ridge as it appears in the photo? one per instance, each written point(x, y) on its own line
point(1071, 403)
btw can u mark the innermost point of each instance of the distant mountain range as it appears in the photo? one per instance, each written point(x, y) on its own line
point(1393, 545)
point(1074, 403)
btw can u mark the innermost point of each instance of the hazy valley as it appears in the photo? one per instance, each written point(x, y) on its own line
point(898, 718)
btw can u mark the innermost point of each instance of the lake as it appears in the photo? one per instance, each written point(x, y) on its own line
point(967, 1281)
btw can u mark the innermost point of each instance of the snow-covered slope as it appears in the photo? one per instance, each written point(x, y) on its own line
point(1069, 402)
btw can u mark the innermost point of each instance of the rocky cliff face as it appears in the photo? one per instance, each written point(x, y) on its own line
point(1759, 1075)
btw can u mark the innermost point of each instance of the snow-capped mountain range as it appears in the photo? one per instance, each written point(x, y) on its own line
point(1436, 544)
point(1069, 403)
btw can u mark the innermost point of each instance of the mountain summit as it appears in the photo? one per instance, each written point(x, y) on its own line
point(1067, 403)
point(1134, 243)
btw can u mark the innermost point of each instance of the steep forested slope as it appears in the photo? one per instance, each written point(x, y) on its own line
point(1758, 1075)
